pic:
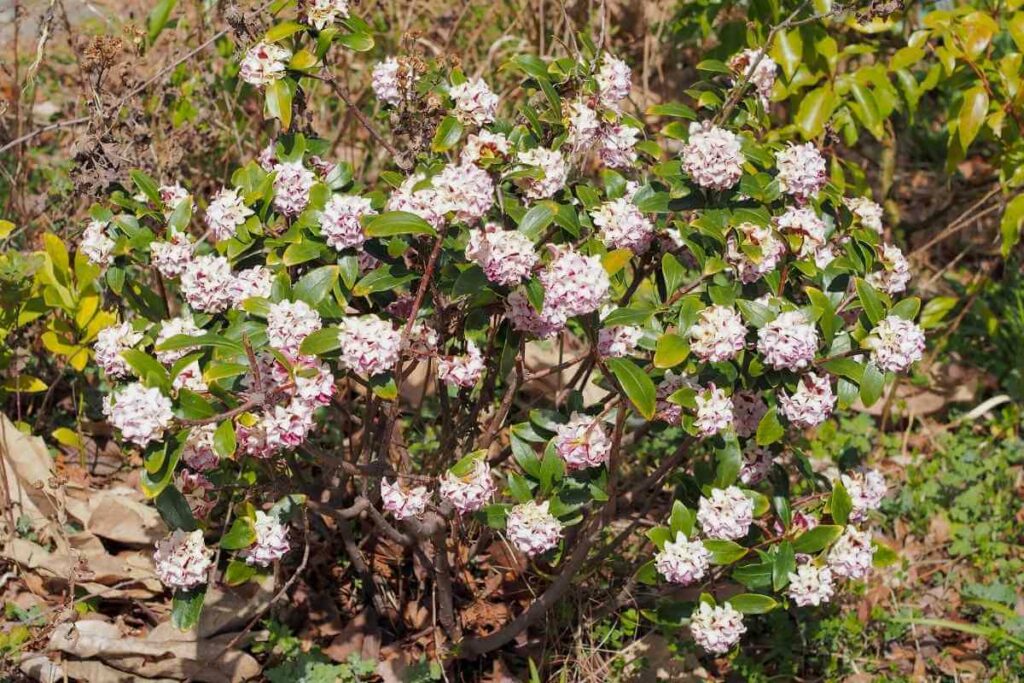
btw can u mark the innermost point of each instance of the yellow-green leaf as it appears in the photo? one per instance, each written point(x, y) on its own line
point(972, 115)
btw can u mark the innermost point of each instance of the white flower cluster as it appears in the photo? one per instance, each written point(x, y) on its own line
point(757, 463)
point(613, 81)
point(574, 284)
point(895, 344)
point(323, 13)
point(291, 187)
point(714, 411)
point(895, 273)
point(682, 561)
point(718, 334)
point(417, 195)
point(470, 492)
point(763, 75)
point(727, 513)
point(866, 489)
point(789, 342)
point(183, 324)
point(461, 371)
point(402, 502)
point(140, 413)
point(288, 324)
point(226, 212)
point(618, 341)
point(582, 442)
point(532, 529)
point(475, 104)
point(485, 146)
point(851, 556)
point(369, 345)
point(110, 342)
point(716, 629)
point(811, 403)
point(466, 191)
point(623, 226)
point(767, 249)
point(810, 585)
point(172, 256)
point(340, 221)
point(387, 82)
point(555, 172)
point(271, 541)
point(198, 452)
point(802, 171)
point(584, 125)
point(506, 256)
point(616, 145)
point(96, 244)
point(264, 63)
point(712, 157)
point(867, 211)
point(182, 559)
point(805, 223)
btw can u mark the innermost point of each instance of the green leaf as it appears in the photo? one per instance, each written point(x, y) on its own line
point(174, 510)
point(536, 220)
point(398, 223)
point(714, 66)
point(973, 111)
point(150, 371)
point(872, 383)
point(241, 535)
point(320, 342)
point(186, 606)
point(883, 556)
point(869, 301)
point(814, 111)
point(1011, 224)
point(724, 552)
point(637, 385)
point(660, 535)
point(673, 109)
point(752, 603)
point(671, 350)
point(729, 462)
point(769, 429)
point(936, 310)
point(519, 487)
point(840, 504)
point(300, 252)
point(787, 51)
point(239, 572)
point(282, 31)
point(681, 519)
point(756, 314)
point(314, 286)
point(783, 563)
point(224, 439)
point(25, 384)
point(278, 101)
point(158, 18)
point(359, 41)
point(447, 134)
point(673, 272)
point(816, 539)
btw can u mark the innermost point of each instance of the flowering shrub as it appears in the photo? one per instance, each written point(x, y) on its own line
point(724, 291)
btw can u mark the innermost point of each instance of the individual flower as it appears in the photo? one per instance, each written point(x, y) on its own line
point(584, 125)
point(789, 342)
point(851, 556)
point(718, 334)
point(461, 371)
point(623, 226)
point(682, 561)
point(110, 342)
point(747, 410)
point(323, 13)
point(895, 273)
point(810, 585)
point(288, 323)
point(225, 213)
point(340, 221)
point(171, 195)
point(475, 104)
point(183, 324)
point(264, 63)
point(554, 172)
point(895, 344)
point(485, 146)
point(422, 341)
point(714, 411)
point(198, 452)
point(369, 345)
point(867, 211)
point(387, 83)
point(532, 529)
point(182, 560)
point(525, 318)
point(582, 442)
point(716, 629)
point(205, 283)
point(401, 502)
point(757, 463)
point(251, 283)
point(801, 171)
point(141, 414)
point(291, 187)
point(712, 157)
point(811, 403)
point(618, 341)
point(825, 255)
point(190, 377)
point(96, 244)
point(613, 81)
point(615, 146)
point(466, 190)
point(866, 489)
point(421, 201)
point(573, 283)
point(754, 251)
point(763, 75)
point(727, 514)
point(670, 384)
point(271, 541)
point(173, 256)
point(506, 256)
point(471, 491)
point(805, 223)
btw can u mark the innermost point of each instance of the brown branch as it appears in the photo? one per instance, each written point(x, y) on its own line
point(400, 160)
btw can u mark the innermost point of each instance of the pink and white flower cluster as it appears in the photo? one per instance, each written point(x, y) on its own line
point(140, 413)
point(866, 489)
point(532, 529)
point(811, 403)
point(341, 221)
point(506, 256)
point(811, 585)
point(288, 324)
point(369, 345)
point(475, 104)
point(712, 157)
point(271, 541)
point(182, 560)
point(762, 254)
point(110, 342)
point(762, 77)
point(582, 442)
point(895, 344)
point(461, 371)
point(716, 628)
point(623, 226)
point(802, 171)
point(718, 335)
point(403, 502)
point(683, 561)
point(470, 492)
point(789, 342)
point(895, 273)
point(264, 63)
point(727, 513)
point(714, 411)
